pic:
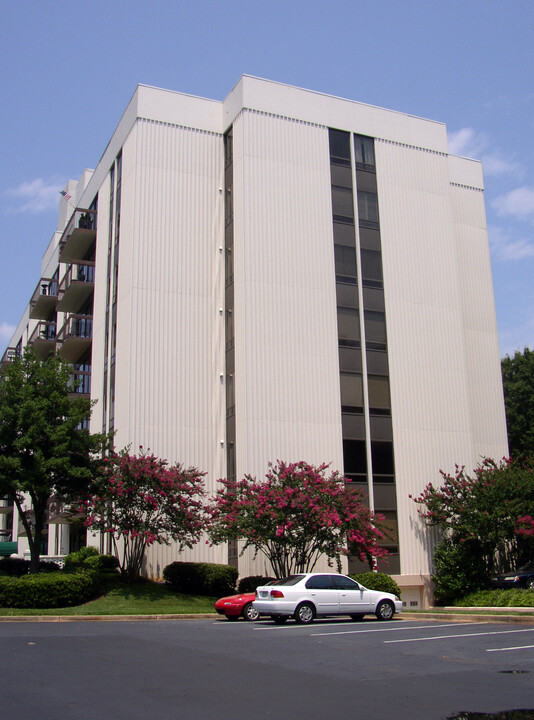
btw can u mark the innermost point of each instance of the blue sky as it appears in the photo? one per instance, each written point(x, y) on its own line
point(68, 70)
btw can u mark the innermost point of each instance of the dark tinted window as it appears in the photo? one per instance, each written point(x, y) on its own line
point(321, 582)
point(345, 583)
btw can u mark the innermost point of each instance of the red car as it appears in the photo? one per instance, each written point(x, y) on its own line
point(235, 606)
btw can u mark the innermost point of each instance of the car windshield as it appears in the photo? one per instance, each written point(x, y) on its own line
point(290, 580)
point(528, 567)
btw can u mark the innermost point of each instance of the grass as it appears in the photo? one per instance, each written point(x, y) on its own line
point(514, 597)
point(139, 598)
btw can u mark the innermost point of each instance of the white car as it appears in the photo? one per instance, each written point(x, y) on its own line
point(309, 595)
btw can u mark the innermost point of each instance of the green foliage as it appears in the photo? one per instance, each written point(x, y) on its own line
point(102, 563)
point(518, 383)
point(201, 578)
point(14, 566)
point(49, 590)
point(459, 569)
point(378, 581)
point(43, 451)
point(250, 583)
point(89, 558)
point(76, 559)
point(515, 597)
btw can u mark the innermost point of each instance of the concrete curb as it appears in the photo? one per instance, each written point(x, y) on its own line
point(450, 614)
point(472, 616)
point(104, 618)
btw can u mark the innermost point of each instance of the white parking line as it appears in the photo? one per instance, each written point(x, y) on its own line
point(462, 635)
point(519, 647)
point(390, 629)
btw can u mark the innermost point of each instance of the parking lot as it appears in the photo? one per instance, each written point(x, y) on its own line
point(211, 668)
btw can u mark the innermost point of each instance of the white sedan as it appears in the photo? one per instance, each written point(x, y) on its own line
point(309, 595)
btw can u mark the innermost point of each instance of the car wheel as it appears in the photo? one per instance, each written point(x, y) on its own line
point(250, 613)
point(530, 584)
point(232, 618)
point(359, 616)
point(280, 619)
point(304, 614)
point(385, 610)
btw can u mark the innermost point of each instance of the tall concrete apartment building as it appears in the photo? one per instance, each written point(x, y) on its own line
point(280, 275)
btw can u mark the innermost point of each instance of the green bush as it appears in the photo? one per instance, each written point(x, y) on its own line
point(201, 578)
point(102, 563)
point(14, 566)
point(514, 597)
point(459, 569)
point(378, 581)
point(250, 583)
point(77, 559)
point(49, 590)
point(46, 566)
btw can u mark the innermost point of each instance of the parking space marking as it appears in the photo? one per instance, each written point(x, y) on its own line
point(519, 647)
point(462, 635)
point(390, 629)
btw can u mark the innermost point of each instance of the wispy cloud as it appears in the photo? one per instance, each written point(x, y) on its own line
point(6, 332)
point(468, 143)
point(505, 246)
point(34, 196)
point(518, 203)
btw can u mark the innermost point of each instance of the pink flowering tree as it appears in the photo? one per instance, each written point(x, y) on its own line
point(140, 500)
point(488, 509)
point(294, 516)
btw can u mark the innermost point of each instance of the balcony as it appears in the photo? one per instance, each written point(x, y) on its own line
point(10, 354)
point(76, 286)
point(43, 338)
point(80, 384)
point(44, 299)
point(75, 336)
point(78, 236)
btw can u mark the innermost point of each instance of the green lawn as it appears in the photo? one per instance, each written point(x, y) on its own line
point(140, 598)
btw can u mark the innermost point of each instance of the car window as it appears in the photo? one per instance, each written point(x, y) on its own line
point(345, 583)
point(321, 582)
point(290, 580)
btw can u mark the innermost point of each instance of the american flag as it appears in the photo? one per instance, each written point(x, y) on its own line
point(65, 194)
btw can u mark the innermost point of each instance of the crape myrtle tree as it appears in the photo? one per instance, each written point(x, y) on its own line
point(140, 500)
point(489, 509)
point(518, 384)
point(294, 516)
point(44, 452)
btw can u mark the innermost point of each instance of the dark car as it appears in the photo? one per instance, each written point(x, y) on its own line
point(523, 577)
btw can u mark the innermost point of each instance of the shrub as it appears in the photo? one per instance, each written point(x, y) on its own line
point(378, 581)
point(102, 563)
point(49, 590)
point(201, 578)
point(514, 597)
point(250, 583)
point(77, 559)
point(459, 569)
point(46, 566)
point(14, 566)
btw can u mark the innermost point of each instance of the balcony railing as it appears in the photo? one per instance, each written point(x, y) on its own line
point(43, 338)
point(76, 286)
point(44, 299)
point(78, 236)
point(9, 355)
point(80, 382)
point(75, 336)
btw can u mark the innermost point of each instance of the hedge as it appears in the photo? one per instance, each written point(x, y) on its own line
point(17, 567)
point(49, 590)
point(250, 583)
point(201, 578)
point(378, 581)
